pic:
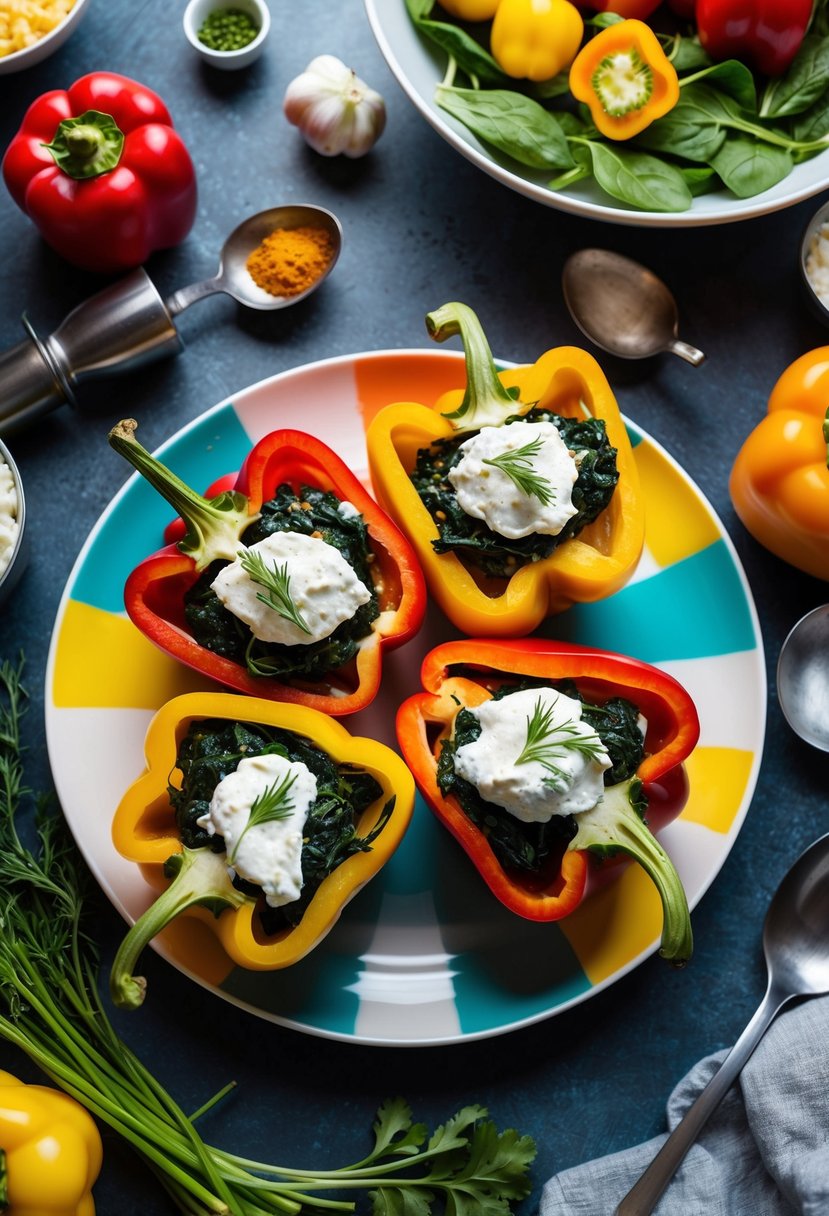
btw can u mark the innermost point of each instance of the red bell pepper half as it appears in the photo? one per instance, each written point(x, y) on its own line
point(765, 34)
point(463, 674)
point(100, 171)
point(212, 528)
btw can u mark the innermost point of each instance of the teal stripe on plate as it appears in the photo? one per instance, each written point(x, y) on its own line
point(313, 992)
point(694, 609)
point(132, 530)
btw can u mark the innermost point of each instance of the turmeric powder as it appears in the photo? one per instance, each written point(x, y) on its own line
point(290, 260)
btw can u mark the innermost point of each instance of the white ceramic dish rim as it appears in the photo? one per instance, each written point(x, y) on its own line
point(803, 182)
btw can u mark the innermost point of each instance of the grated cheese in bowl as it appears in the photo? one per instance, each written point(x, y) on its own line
point(25, 22)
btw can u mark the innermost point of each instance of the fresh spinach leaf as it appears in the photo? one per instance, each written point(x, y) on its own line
point(700, 179)
point(419, 9)
point(556, 86)
point(748, 168)
point(469, 55)
point(683, 132)
point(804, 82)
point(813, 123)
point(687, 54)
point(641, 181)
point(734, 78)
point(510, 122)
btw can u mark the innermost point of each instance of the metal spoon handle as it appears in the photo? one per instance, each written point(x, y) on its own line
point(185, 296)
point(689, 353)
point(642, 1198)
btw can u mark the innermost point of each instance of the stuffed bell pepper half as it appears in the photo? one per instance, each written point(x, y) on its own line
point(286, 581)
point(520, 495)
point(261, 818)
point(543, 759)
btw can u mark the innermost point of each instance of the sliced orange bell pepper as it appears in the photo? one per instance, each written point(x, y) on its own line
point(145, 830)
point(586, 567)
point(780, 481)
point(625, 78)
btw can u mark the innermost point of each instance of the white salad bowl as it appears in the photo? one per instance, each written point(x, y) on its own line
point(48, 44)
point(419, 67)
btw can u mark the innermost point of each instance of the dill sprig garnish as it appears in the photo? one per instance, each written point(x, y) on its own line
point(268, 807)
point(518, 466)
point(548, 741)
point(277, 583)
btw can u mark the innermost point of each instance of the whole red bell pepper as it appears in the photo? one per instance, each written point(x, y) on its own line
point(765, 34)
point(464, 674)
point(212, 529)
point(100, 171)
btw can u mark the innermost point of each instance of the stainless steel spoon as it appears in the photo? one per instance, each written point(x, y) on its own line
point(796, 946)
point(233, 277)
point(803, 678)
point(623, 307)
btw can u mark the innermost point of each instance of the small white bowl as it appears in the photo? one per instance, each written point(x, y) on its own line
point(47, 45)
point(17, 558)
point(812, 231)
point(194, 17)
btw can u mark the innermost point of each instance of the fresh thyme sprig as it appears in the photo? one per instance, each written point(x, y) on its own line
point(269, 806)
point(517, 464)
point(277, 583)
point(547, 742)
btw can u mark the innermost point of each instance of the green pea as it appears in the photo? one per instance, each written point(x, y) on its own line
point(227, 29)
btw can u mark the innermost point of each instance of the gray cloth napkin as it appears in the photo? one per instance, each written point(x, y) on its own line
point(765, 1152)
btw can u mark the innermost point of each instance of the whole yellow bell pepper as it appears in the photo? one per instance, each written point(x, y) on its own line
point(586, 567)
point(51, 1152)
point(625, 79)
point(535, 39)
point(780, 481)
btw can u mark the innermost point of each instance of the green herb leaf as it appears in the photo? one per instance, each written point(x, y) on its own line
point(270, 806)
point(748, 167)
point(804, 82)
point(277, 583)
point(419, 9)
point(517, 464)
point(548, 742)
point(514, 124)
point(639, 180)
point(734, 78)
point(468, 54)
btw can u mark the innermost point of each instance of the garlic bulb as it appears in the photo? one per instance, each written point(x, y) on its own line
point(335, 110)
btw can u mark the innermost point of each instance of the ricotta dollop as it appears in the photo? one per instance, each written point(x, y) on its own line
point(323, 587)
point(8, 515)
point(486, 492)
point(531, 791)
point(268, 854)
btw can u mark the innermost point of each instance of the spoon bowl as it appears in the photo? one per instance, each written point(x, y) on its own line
point(803, 678)
point(233, 277)
point(796, 948)
point(623, 307)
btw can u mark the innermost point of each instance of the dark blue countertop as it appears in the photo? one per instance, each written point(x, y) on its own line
point(422, 226)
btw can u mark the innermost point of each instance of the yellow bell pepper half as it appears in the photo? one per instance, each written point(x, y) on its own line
point(144, 830)
point(51, 1152)
point(625, 79)
point(780, 481)
point(535, 39)
point(586, 567)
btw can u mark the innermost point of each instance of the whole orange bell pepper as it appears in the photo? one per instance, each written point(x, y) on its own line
point(780, 481)
point(587, 566)
point(145, 830)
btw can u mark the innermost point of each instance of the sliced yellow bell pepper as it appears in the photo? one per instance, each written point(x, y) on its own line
point(144, 830)
point(625, 78)
point(535, 39)
point(587, 567)
point(50, 1150)
point(780, 481)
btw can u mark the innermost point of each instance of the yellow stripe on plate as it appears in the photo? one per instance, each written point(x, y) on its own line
point(677, 523)
point(102, 660)
point(615, 925)
point(719, 778)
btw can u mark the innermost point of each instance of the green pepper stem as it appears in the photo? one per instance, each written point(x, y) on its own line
point(485, 401)
point(201, 877)
point(214, 526)
point(614, 826)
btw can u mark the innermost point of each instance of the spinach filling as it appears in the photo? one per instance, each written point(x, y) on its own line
point(499, 556)
point(213, 748)
point(530, 848)
point(311, 512)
